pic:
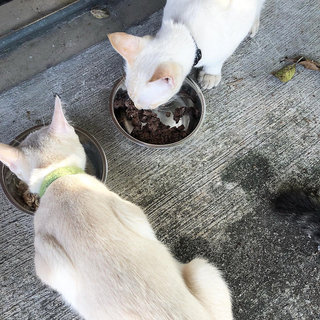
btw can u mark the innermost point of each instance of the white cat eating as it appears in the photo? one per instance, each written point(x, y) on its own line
point(98, 250)
point(200, 33)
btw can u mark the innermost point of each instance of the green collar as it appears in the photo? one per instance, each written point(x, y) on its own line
point(55, 174)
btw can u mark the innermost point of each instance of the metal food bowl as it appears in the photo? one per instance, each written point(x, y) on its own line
point(189, 95)
point(96, 166)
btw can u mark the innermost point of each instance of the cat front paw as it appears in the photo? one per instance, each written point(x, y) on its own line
point(208, 81)
point(255, 28)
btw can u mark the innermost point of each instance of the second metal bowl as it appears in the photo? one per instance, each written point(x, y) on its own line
point(96, 166)
point(189, 95)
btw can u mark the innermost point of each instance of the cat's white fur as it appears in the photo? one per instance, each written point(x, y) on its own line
point(216, 26)
point(98, 250)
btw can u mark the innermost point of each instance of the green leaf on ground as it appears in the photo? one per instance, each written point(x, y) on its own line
point(286, 73)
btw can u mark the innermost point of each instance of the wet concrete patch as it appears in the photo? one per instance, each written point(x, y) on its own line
point(188, 248)
point(251, 171)
point(306, 178)
point(274, 261)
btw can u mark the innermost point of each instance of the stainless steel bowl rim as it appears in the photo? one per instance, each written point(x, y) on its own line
point(192, 84)
point(17, 141)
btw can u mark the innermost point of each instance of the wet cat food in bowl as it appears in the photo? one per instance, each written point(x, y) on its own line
point(168, 125)
point(17, 191)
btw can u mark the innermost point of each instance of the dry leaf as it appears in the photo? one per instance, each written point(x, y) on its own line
point(100, 13)
point(307, 63)
point(285, 74)
point(311, 64)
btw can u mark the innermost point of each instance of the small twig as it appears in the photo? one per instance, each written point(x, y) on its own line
point(300, 59)
point(235, 81)
point(294, 60)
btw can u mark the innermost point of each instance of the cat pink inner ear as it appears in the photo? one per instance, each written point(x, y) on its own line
point(167, 73)
point(59, 124)
point(126, 45)
point(10, 156)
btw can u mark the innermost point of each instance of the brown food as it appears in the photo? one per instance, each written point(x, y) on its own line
point(147, 127)
point(32, 200)
point(178, 113)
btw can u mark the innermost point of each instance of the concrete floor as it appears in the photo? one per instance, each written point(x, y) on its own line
point(209, 197)
point(64, 40)
point(18, 13)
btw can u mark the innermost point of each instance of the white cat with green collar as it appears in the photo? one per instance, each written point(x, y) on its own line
point(99, 250)
point(157, 66)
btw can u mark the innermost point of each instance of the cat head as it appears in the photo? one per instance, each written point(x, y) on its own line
point(44, 150)
point(152, 76)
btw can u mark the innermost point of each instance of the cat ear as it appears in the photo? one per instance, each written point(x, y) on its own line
point(167, 73)
point(59, 124)
point(11, 157)
point(126, 45)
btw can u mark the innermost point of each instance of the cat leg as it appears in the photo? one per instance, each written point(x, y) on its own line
point(208, 286)
point(210, 77)
point(54, 267)
point(256, 23)
point(43, 269)
point(255, 27)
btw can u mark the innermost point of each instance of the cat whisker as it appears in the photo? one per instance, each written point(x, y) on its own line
point(16, 141)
